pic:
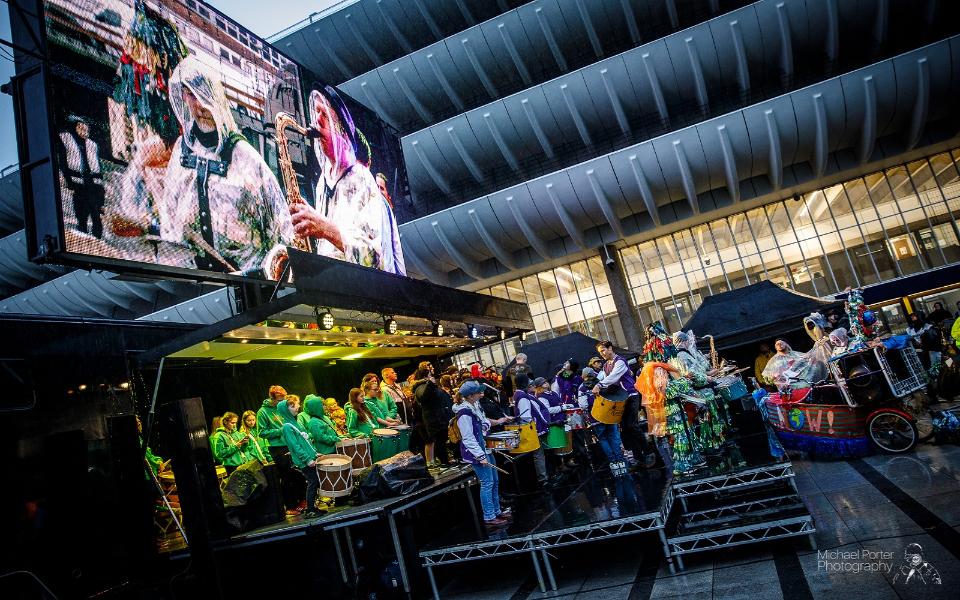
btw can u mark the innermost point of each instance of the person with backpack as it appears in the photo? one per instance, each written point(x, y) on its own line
point(471, 426)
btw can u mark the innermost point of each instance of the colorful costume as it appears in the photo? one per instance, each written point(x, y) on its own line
point(337, 415)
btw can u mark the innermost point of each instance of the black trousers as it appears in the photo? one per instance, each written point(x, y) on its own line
point(291, 480)
point(87, 203)
point(633, 437)
point(313, 483)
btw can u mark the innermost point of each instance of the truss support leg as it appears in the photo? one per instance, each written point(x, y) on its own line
point(397, 546)
point(683, 503)
point(473, 511)
point(350, 552)
point(433, 583)
point(549, 568)
point(339, 550)
point(536, 568)
point(666, 551)
point(793, 484)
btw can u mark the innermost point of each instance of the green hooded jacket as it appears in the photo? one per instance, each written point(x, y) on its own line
point(294, 438)
point(226, 450)
point(269, 424)
point(320, 427)
point(303, 418)
point(357, 428)
point(386, 404)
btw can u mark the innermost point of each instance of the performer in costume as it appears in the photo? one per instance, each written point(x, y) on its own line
point(323, 433)
point(526, 408)
point(220, 198)
point(230, 446)
point(270, 424)
point(362, 418)
point(661, 385)
point(352, 220)
point(781, 362)
point(692, 364)
point(302, 453)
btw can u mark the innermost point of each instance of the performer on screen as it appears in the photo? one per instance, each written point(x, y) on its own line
point(352, 221)
point(220, 198)
point(80, 158)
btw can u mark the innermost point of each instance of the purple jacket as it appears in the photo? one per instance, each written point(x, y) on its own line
point(540, 416)
point(627, 381)
point(553, 399)
point(465, 453)
point(568, 387)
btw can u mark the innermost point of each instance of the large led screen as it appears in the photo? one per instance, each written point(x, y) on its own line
point(184, 141)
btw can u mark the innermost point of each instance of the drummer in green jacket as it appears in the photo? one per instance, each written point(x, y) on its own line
point(230, 445)
point(320, 427)
point(302, 453)
point(373, 396)
point(362, 418)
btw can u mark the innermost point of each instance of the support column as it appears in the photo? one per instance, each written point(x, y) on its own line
point(622, 298)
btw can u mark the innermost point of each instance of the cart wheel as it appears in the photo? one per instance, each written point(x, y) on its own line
point(917, 404)
point(892, 432)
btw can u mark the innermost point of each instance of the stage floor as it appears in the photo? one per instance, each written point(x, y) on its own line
point(337, 516)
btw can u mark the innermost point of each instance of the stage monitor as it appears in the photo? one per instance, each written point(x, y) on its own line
point(181, 144)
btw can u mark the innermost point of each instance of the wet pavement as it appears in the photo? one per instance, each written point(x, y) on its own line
point(869, 514)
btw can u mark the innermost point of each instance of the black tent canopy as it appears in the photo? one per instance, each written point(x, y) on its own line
point(750, 314)
point(543, 357)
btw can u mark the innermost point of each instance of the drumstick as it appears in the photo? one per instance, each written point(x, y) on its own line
point(504, 471)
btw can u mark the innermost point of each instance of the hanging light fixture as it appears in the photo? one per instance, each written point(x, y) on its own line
point(324, 319)
point(390, 325)
point(437, 328)
point(473, 332)
point(501, 333)
point(523, 336)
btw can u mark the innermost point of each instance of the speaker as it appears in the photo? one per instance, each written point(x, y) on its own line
point(135, 493)
point(183, 423)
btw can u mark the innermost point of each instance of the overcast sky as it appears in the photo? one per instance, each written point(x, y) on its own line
point(262, 17)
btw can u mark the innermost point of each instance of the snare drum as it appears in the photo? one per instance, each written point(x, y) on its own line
point(358, 449)
point(503, 440)
point(576, 418)
point(334, 472)
point(384, 444)
point(567, 447)
point(556, 437)
point(529, 440)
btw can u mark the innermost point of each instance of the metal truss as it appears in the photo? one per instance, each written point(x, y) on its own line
point(738, 536)
point(738, 510)
point(741, 479)
point(596, 531)
point(477, 551)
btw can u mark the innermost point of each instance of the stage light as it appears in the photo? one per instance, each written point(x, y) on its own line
point(325, 320)
point(473, 332)
point(390, 325)
point(124, 385)
point(82, 387)
point(437, 328)
point(501, 333)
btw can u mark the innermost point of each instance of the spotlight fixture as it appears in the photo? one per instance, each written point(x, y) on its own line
point(523, 336)
point(473, 332)
point(501, 333)
point(82, 387)
point(390, 325)
point(324, 319)
point(437, 328)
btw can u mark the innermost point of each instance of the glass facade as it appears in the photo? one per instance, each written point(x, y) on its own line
point(875, 228)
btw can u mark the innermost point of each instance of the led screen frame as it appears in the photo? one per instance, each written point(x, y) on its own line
point(52, 225)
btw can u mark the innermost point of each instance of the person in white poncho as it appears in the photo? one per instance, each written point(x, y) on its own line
point(220, 198)
point(352, 220)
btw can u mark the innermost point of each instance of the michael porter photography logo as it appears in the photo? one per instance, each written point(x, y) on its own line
point(910, 570)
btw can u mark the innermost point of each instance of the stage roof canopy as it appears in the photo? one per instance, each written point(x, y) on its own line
point(754, 313)
point(360, 300)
